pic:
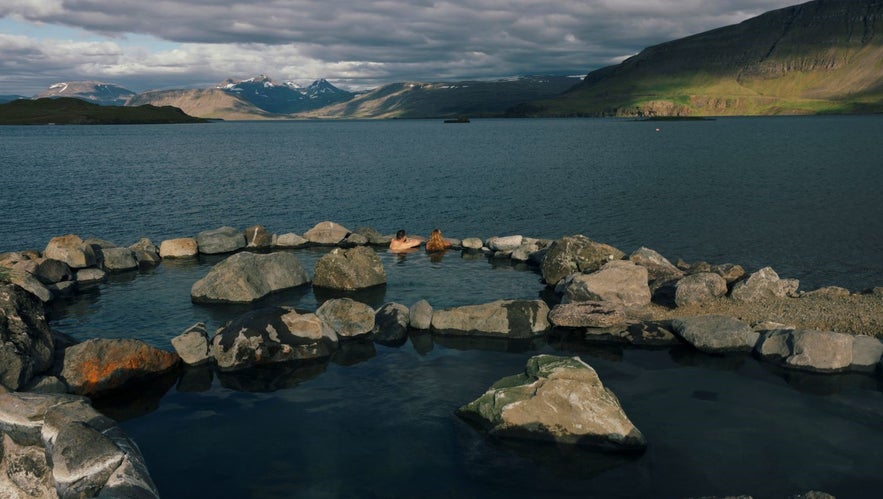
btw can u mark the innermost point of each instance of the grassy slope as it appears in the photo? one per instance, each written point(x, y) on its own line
point(819, 57)
point(206, 103)
point(71, 111)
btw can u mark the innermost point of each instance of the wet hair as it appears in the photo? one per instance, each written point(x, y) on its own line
point(400, 234)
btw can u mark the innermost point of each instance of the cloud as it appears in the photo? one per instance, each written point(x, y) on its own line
point(361, 43)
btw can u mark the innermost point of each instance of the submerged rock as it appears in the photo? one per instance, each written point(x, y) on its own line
point(556, 399)
point(246, 277)
point(501, 318)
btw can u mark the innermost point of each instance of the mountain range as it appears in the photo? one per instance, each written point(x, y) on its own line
point(823, 56)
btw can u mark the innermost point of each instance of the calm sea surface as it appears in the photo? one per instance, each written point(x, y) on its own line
point(799, 194)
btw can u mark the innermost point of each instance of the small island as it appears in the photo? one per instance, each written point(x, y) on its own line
point(71, 111)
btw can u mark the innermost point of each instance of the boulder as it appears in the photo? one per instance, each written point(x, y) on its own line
point(118, 259)
point(729, 271)
point(59, 446)
point(193, 345)
point(619, 281)
point(374, 237)
point(71, 250)
point(353, 239)
point(819, 351)
point(699, 288)
point(716, 333)
point(246, 277)
point(90, 276)
point(327, 233)
point(828, 292)
point(26, 344)
point(472, 243)
point(502, 318)
point(349, 270)
point(50, 271)
point(556, 399)
point(146, 253)
point(220, 240)
point(32, 285)
point(572, 254)
point(257, 236)
point(183, 247)
point(391, 324)
point(289, 240)
point(659, 268)
point(763, 284)
point(272, 334)
point(587, 314)
point(529, 248)
point(420, 315)
point(101, 365)
point(504, 243)
point(347, 317)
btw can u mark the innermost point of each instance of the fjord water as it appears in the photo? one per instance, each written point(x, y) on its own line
point(800, 194)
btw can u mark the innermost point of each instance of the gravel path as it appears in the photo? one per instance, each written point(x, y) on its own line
point(852, 314)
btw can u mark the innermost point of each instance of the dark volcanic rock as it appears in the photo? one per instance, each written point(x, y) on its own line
point(26, 344)
point(577, 253)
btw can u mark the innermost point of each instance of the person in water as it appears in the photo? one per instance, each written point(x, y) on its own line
point(436, 242)
point(402, 242)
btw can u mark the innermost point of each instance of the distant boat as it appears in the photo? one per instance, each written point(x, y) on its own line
point(461, 119)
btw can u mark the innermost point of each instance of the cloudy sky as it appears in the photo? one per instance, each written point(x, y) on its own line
point(355, 44)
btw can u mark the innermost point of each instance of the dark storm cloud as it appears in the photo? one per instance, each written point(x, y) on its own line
point(396, 39)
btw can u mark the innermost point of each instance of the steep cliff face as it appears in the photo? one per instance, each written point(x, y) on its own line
point(821, 56)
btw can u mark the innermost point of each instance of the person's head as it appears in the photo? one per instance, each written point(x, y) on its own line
point(436, 232)
point(435, 235)
point(400, 234)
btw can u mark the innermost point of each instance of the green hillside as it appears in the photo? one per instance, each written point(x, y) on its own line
point(72, 111)
point(824, 56)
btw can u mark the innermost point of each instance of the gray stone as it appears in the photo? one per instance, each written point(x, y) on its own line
point(46, 384)
point(699, 288)
point(866, 353)
point(246, 277)
point(391, 324)
point(193, 345)
point(32, 285)
point(71, 250)
point(146, 253)
point(558, 399)
point(572, 254)
point(272, 334)
point(257, 236)
point(373, 236)
point(24, 471)
point(504, 243)
point(502, 318)
point(26, 344)
point(220, 240)
point(716, 333)
point(63, 288)
point(349, 270)
point(763, 284)
point(472, 243)
point(50, 271)
point(659, 269)
point(729, 271)
point(328, 233)
point(118, 259)
point(587, 314)
point(100, 365)
point(528, 248)
point(91, 276)
point(421, 315)
point(182, 247)
point(290, 240)
point(347, 317)
point(354, 239)
point(619, 281)
point(828, 292)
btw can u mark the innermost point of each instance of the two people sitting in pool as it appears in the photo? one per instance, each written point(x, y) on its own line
point(402, 242)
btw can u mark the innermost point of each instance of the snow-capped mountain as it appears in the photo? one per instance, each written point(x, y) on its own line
point(96, 92)
point(286, 97)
